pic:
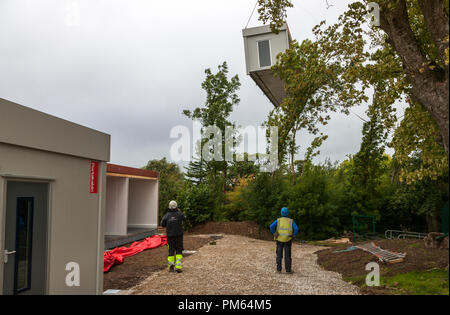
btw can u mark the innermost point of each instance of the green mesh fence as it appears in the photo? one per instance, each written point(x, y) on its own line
point(363, 227)
point(445, 219)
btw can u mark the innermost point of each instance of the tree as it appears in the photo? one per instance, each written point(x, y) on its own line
point(196, 172)
point(417, 31)
point(417, 152)
point(369, 164)
point(307, 80)
point(221, 97)
point(170, 182)
point(197, 203)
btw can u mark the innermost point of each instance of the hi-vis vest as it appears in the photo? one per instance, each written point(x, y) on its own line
point(284, 230)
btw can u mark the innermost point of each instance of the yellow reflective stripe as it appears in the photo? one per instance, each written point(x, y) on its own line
point(285, 224)
point(178, 263)
point(284, 229)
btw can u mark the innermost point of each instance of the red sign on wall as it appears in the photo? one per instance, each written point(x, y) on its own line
point(94, 178)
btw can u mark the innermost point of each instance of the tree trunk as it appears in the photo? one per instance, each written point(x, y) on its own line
point(293, 168)
point(432, 223)
point(429, 81)
point(293, 149)
point(225, 180)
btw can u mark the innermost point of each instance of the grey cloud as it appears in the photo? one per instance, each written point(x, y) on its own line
point(131, 67)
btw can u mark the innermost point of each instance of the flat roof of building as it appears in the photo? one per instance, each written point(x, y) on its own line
point(130, 172)
point(264, 29)
point(27, 127)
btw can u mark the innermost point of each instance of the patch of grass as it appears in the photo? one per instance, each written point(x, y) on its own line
point(358, 280)
point(434, 282)
point(414, 245)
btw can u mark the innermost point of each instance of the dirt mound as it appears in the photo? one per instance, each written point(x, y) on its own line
point(352, 264)
point(248, 229)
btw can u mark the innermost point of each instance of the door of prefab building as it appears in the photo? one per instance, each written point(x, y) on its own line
point(25, 247)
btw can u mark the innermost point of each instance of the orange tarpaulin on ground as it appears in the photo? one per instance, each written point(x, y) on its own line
point(117, 255)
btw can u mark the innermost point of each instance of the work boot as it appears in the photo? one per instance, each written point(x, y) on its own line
point(289, 272)
point(179, 271)
point(172, 268)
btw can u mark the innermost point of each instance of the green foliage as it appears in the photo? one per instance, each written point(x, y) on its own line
point(332, 73)
point(365, 186)
point(416, 206)
point(236, 203)
point(350, 58)
point(197, 203)
point(196, 172)
point(266, 195)
point(312, 205)
point(273, 11)
point(325, 196)
point(416, 135)
point(221, 97)
point(170, 182)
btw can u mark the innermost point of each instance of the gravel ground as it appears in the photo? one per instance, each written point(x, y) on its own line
point(238, 265)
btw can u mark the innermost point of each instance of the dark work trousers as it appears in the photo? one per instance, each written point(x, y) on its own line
point(286, 247)
point(175, 245)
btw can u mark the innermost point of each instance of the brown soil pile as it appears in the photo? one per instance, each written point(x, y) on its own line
point(248, 229)
point(352, 264)
point(139, 267)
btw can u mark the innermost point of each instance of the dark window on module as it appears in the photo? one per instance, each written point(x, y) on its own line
point(264, 54)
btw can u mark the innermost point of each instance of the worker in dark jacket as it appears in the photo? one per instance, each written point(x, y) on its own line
point(172, 221)
point(285, 230)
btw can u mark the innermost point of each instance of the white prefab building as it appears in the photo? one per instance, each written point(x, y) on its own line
point(131, 205)
point(52, 203)
point(261, 50)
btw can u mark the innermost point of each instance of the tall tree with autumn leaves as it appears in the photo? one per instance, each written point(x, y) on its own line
point(405, 59)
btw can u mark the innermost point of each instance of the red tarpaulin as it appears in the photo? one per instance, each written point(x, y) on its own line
point(117, 255)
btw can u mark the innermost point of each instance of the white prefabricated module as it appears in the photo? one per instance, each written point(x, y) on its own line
point(52, 204)
point(261, 50)
point(131, 205)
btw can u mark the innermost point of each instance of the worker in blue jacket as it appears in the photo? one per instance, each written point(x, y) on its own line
point(284, 230)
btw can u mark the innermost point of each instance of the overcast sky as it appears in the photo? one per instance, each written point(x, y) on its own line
point(129, 67)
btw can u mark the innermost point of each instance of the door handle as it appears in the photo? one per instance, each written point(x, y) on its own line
point(7, 253)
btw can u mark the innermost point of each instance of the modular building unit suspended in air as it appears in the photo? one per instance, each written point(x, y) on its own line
point(261, 50)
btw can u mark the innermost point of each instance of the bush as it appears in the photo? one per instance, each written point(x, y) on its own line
point(197, 203)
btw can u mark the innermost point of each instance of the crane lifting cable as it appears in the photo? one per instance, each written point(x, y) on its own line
point(251, 15)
